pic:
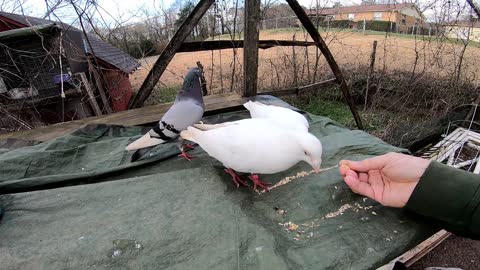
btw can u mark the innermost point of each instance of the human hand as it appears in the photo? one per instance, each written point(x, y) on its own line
point(388, 179)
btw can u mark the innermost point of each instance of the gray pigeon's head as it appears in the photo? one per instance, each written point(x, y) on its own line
point(192, 88)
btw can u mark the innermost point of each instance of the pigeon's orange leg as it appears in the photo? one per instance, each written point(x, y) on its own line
point(235, 178)
point(186, 156)
point(184, 147)
point(256, 182)
point(190, 146)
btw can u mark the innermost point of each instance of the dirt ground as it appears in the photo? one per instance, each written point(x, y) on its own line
point(455, 252)
point(350, 49)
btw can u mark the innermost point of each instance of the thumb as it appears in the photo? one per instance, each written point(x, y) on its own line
point(375, 163)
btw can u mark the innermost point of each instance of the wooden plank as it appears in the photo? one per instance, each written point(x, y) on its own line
point(169, 52)
point(312, 30)
point(250, 49)
point(413, 255)
point(91, 96)
point(101, 89)
point(298, 90)
point(140, 116)
point(196, 46)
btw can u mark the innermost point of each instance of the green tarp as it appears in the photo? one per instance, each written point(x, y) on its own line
point(78, 203)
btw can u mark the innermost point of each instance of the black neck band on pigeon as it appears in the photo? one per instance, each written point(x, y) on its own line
point(160, 133)
point(170, 127)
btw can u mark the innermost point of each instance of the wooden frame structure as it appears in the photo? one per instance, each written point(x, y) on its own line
point(250, 52)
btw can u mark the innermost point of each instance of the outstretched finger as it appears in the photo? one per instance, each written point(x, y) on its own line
point(343, 170)
point(375, 163)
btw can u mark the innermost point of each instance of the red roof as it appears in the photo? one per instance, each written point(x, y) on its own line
point(359, 9)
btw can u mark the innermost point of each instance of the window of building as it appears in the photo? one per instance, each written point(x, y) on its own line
point(404, 19)
point(377, 16)
point(351, 16)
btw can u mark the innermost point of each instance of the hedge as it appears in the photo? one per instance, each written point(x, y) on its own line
point(382, 26)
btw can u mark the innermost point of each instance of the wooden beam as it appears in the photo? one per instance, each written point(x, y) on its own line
point(250, 48)
point(91, 96)
point(140, 116)
point(169, 52)
point(196, 46)
point(312, 30)
point(298, 90)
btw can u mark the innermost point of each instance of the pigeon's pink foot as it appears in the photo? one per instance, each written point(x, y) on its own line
point(235, 178)
point(186, 156)
point(256, 182)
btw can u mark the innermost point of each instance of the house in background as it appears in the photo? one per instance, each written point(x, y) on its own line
point(401, 16)
point(466, 30)
point(38, 57)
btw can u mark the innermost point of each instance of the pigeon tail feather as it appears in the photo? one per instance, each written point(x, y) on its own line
point(190, 134)
point(144, 141)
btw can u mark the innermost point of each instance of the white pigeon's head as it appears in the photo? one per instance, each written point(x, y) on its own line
point(312, 149)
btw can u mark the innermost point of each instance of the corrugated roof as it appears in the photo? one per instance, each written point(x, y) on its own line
point(115, 56)
point(360, 8)
point(102, 49)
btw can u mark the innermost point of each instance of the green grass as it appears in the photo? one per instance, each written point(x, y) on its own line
point(334, 110)
point(163, 95)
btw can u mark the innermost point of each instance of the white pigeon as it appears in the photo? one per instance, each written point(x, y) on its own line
point(187, 110)
point(255, 146)
point(284, 117)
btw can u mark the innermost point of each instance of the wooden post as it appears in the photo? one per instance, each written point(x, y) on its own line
point(250, 48)
point(91, 97)
point(169, 52)
point(294, 60)
point(202, 79)
point(307, 23)
point(370, 71)
point(364, 25)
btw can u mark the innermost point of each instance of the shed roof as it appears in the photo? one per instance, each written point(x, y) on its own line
point(100, 48)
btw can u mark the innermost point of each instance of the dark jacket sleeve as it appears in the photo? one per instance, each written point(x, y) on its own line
point(451, 197)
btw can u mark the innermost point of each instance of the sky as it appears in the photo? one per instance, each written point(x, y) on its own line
point(115, 12)
point(129, 11)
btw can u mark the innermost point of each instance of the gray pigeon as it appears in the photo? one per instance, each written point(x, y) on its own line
point(187, 110)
